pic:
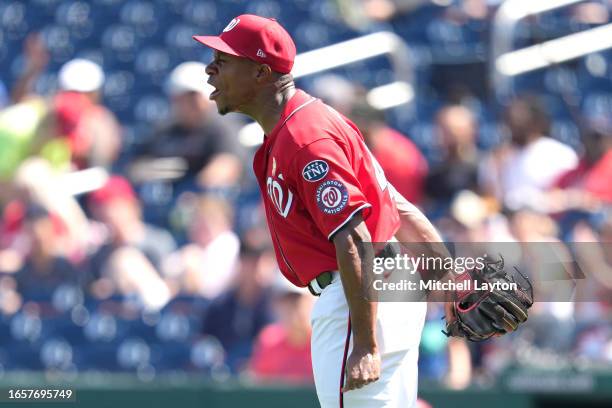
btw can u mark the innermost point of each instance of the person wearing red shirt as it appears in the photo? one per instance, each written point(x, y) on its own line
point(589, 181)
point(282, 350)
point(327, 202)
point(403, 163)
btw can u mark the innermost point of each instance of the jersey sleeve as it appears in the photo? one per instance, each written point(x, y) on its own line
point(328, 186)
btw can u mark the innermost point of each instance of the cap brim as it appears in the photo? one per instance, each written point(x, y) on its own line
point(216, 43)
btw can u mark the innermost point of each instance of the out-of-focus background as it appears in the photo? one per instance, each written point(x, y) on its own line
point(135, 263)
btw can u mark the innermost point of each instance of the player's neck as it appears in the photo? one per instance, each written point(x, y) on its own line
point(270, 106)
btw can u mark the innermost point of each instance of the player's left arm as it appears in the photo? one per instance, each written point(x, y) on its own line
point(420, 235)
point(355, 254)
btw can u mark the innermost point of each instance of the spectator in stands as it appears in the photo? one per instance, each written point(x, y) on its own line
point(37, 183)
point(21, 138)
point(358, 13)
point(551, 320)
point(76, 127)
point(43, 269)
point(404, 165)
point(593, 248)
point(282, 350)
point(196, 134)
point(10, 299)
point(521, 170)
point(206, 266)
point(442, 358)
point(237, 316)
point(127, 272)
point(36, 58)
point(336, 91)
point(458, 167)
point(117, 207)
point(91, 131)
point(587, 185)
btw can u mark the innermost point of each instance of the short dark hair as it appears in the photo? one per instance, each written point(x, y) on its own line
point(536, 112)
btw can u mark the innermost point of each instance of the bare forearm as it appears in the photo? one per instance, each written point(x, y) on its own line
point(24, 86)
point(355, 258)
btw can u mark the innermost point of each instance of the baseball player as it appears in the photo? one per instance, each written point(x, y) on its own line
point(326, 200)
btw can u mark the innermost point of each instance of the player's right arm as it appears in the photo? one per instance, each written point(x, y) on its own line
point(355, 254)
point(338, 207)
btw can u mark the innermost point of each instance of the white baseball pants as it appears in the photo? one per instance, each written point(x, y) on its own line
point(399, 326)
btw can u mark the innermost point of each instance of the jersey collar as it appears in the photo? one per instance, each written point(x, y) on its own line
point(299, 100)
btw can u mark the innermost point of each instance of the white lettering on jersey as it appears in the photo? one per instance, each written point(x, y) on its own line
point(281, 197)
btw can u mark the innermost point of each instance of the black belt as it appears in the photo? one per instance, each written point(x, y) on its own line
point(326, 278)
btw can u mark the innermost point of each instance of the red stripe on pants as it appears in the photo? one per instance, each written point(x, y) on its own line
point(346, 348)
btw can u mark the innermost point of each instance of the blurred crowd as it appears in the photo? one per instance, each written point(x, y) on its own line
point(161, 259)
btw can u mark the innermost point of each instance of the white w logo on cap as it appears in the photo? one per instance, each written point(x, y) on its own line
point(231, 25)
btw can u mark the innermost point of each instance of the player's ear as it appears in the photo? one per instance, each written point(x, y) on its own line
point(263, 72)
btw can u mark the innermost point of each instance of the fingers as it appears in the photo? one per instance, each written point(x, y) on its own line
point(358, 382)
point(360, 375)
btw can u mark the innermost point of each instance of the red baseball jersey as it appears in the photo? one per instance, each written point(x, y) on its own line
point(315, 172)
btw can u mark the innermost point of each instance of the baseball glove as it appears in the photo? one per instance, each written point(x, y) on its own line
point(498, 308)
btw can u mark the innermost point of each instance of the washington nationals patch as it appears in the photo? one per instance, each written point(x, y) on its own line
point(332, 196)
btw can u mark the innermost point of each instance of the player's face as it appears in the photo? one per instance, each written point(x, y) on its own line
point(233, 79)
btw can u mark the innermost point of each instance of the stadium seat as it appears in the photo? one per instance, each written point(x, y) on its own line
point(310, 35)
point(118, 92)
point(133, 353)
point(152, 108)
point(46, 84)
point(56, 353)
point(267, 8)
point(26, 327)
point(174, 356)
point(23, 356)
point(174, 327)
point(101, 328)
point(154, 64)
point(597, 103)
point(179, 42)
point(108, 3)
point(120, 43)
point(561, 80)
point(13, 19)
point(76, 16)
point(66, 297)
point(567, 132)
point(202, 14)
point(207, 352)
point(58, 41)
point(98, 356)
point(142, 16)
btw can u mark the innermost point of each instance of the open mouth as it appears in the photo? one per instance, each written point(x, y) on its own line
point(214, 94)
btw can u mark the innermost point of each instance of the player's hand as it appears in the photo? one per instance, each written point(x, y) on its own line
point(362, 368)
point(449, 312)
